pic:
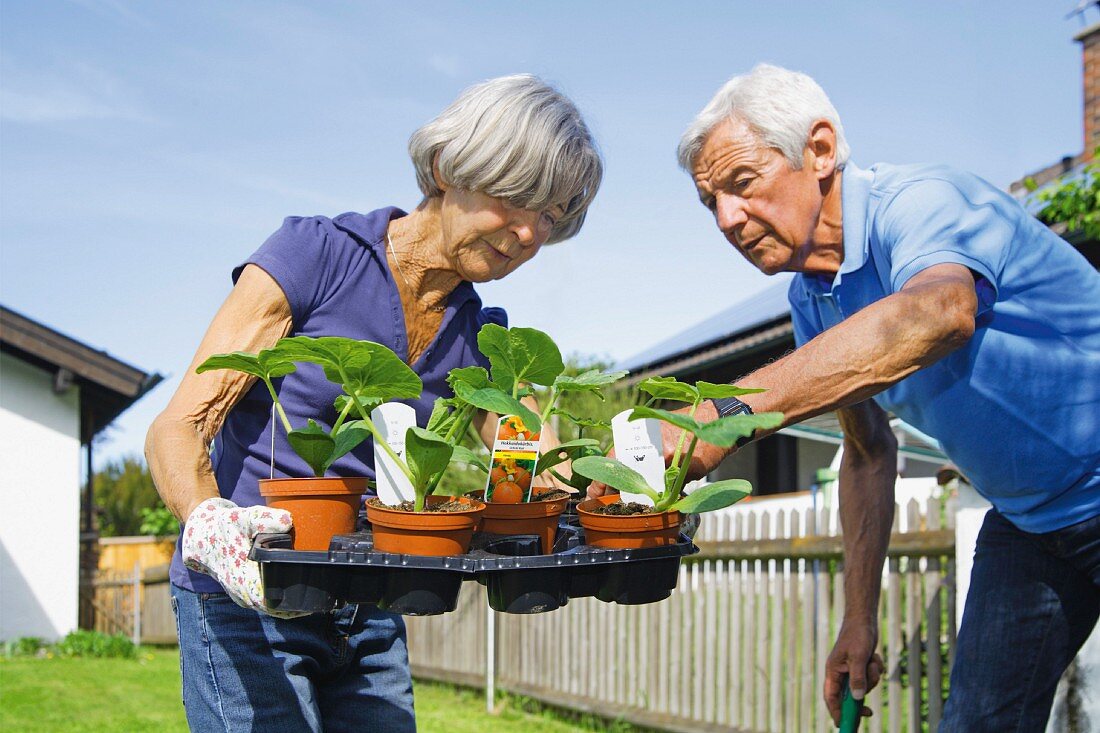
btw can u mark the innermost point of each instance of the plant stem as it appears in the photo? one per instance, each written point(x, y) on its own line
point(464, 417)
point(343, 416)
point(680, 443)
point(545, 416)
point(278, 405)
point(672, 496)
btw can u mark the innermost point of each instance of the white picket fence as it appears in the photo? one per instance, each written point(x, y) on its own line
point(740, 645)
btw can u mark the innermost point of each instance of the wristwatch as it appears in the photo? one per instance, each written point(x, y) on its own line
point(727, 406)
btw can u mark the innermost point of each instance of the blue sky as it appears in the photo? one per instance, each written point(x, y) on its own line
point(146, 148)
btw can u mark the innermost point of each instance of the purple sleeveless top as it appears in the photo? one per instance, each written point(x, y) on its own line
point(335, 276)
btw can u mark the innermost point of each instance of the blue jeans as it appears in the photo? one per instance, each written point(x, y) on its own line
point(1033, 601)
point(246, 671)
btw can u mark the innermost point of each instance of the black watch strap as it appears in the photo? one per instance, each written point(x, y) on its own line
point(727, 406)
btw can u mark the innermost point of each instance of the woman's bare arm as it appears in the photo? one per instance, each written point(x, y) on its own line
point(254, 316)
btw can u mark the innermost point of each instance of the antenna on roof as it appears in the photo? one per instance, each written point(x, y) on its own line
point(1082, 10)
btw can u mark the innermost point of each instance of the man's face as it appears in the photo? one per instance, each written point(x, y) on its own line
point(765, 209)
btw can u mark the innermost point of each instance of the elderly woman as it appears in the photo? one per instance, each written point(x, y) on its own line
point(508, 167)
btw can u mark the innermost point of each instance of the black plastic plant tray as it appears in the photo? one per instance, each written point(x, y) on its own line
point(517, 579)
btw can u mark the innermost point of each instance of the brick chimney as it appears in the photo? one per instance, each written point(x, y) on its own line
point(1090, 52)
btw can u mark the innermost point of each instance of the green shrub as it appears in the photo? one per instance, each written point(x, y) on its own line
point(95, 644)
point(27, 646)
point(158, 521)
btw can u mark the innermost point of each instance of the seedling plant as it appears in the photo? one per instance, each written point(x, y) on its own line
point(370, 374)
point(723, 432)
point(520, 359)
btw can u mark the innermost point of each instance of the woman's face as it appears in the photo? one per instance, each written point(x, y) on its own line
point(486, 239)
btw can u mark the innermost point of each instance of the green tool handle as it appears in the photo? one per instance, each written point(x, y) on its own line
point(849, 708)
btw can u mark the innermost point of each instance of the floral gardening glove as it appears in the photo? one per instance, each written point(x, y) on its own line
point(216, 539)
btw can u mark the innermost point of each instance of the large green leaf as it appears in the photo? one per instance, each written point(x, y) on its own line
point(474, 376)
point(266, 364)
point(367, 370)
point(331, 353)
point(581, 422)
point(426, 454)
point(711, 391)
point(314, 445)
point(726, 431)
point(346, 438)
point(723, 432)
point(239, 361)
point(614, 474)
point(520, 355)
point(717, 495)
point(492, 399)
point(384, 376)
point(669, 388)
point(591, 381)
point(440, 419)
point(462, 454)
point(365, 406)
point(678, 419)
point(568, 451)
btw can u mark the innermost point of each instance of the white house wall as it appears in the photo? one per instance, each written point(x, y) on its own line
point(40, 515)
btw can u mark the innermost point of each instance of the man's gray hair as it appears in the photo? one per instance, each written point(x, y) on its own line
point(777, 104)
point(515, 138)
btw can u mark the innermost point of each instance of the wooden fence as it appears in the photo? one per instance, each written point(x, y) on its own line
point(137, 604)
point(740, 645)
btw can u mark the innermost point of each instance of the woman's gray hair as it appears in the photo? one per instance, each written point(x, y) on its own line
point(515, 138)
point(777, 104)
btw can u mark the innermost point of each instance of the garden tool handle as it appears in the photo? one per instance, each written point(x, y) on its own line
point(849, 708)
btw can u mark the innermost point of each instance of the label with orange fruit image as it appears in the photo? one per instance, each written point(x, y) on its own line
point(515, 454)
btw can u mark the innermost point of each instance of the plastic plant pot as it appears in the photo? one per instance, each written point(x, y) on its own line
point(525, 518)
point(416, 592)
point(434, 534)
point(320, 507)
point(312, 584)
point(627, 532)
point(535, 590)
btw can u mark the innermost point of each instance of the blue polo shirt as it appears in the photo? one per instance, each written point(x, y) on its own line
point(1018, 407)
point(337, 281)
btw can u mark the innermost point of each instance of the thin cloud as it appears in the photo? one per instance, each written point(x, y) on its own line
point(80, 93)
point(449, 66)
point(115, 9)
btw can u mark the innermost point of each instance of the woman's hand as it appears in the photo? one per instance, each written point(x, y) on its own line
point(216, 540)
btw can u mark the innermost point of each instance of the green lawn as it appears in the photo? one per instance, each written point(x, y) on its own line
point(143, 695)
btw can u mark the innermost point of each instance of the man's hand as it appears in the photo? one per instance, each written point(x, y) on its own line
point(854, 655)
point(216, 538)
point(705, 459)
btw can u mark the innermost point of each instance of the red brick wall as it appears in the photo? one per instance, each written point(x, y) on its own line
point(1090, 51)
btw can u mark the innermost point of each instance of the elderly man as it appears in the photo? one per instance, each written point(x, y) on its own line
point(925, 292)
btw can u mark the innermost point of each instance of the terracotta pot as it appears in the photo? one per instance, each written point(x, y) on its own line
point(533, 517)
point(425, 533)
point(628, 532)
point(320, 507)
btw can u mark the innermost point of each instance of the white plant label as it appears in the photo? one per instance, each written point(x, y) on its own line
point(392, 420)
point(638, 444)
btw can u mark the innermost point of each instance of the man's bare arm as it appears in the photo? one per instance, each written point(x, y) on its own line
point(868, 470)
point(875, 348)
